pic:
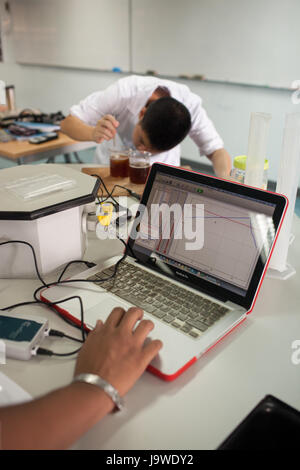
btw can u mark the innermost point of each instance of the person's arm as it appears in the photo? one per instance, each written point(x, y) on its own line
point(105, 129)
point(115, 351)
point(54, 421)
point(221, 162)
point(93, 118)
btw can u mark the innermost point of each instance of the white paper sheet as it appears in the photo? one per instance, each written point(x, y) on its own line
point(10, 392)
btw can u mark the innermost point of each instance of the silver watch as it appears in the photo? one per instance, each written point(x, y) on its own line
point(105, 386)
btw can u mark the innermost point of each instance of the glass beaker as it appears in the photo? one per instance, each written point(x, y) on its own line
point(139, 166)
point(119, 163)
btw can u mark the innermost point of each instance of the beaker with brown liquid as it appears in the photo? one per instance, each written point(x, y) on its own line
point(139, 166)
point(119, 163)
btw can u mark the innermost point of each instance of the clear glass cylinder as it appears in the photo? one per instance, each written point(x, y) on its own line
point(287, 184)
point(257, 146)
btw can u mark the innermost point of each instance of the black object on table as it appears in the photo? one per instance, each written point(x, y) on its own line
point(271, 425)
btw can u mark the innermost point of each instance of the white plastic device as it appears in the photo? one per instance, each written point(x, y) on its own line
point(287, 184)
point(43, 205)
point(32, 327)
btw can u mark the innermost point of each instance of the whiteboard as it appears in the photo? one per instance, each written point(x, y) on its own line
point(92, 34)
point(245, 41)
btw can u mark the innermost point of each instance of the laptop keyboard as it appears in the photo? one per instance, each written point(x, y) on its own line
point(181, 309)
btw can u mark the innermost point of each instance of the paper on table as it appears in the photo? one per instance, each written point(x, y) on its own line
point(11, 393)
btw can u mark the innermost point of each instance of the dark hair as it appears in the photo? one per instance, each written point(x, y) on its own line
point(166, 123)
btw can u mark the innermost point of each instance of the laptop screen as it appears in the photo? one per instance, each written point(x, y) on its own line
point(208, 232)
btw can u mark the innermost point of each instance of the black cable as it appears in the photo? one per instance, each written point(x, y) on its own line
point(127, 246)
point(87, 263)
point(62, 301)
point(101, 196)
point(45, 285)
point(130, 192)
point(109, 194)
point(78, 297)
point(67, 281)
point(48, 352)
point(37, 300)
point(61, 334)
point(33, 253)
point(51, 305)
point(121, 240)
point(20, 304)
point(34, 302)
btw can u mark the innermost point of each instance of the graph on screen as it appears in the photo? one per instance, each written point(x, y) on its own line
point(234, 235)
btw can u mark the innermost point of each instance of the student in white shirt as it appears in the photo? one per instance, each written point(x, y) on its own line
point(151, 114)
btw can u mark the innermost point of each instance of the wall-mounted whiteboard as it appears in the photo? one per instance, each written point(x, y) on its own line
point(92, 34)
point(246, 41)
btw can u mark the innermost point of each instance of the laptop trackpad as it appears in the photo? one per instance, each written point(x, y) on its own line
point(102, 310)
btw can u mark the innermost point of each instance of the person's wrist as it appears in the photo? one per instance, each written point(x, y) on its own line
point(94, 393)
point(223, 174)
point(97, 381)
point(91, 132)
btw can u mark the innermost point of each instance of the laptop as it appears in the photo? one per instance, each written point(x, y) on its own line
point(196, 256)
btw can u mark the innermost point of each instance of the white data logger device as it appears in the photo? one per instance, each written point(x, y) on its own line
point(22, 335)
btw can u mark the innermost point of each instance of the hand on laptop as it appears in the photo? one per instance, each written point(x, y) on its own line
point(115, 350)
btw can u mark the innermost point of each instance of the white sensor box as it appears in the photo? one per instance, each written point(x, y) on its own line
point(42, 205)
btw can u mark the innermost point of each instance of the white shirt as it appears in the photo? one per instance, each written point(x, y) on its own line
point(124, 100)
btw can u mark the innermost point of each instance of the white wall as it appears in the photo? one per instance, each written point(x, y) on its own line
point(239, 41)
point(51, 89)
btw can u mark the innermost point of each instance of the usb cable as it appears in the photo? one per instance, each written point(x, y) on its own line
point(61, 334)
point(48, 352)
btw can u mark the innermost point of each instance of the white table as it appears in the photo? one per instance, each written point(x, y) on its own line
point(201, 407)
